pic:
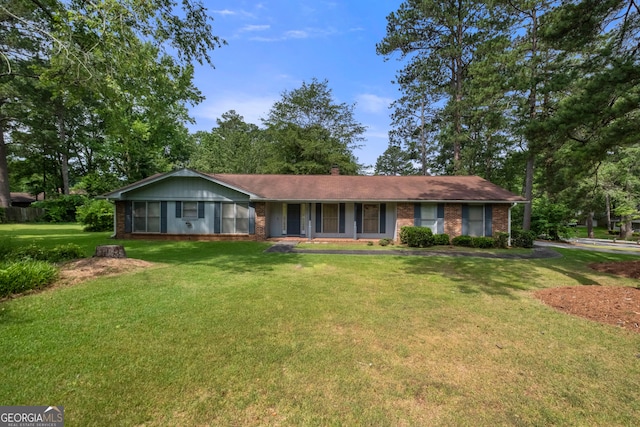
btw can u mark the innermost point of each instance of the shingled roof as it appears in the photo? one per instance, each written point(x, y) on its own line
point(343, 188)
point(368, 188)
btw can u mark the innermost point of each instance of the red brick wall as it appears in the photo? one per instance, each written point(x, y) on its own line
point(261, 221)
point(120, 220)
point(453, 219)
point(404, 217)
point(500, 215)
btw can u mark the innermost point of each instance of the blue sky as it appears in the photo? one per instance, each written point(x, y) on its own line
point(275, 45)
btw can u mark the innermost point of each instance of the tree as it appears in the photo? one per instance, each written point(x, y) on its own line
point(309, 133)
point(439, 37)
point(395, 161)
point(98, 47)
point(232, 147)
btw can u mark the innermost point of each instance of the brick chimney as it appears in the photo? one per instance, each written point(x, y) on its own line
point(335, 170)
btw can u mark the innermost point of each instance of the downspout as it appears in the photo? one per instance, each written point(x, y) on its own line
point(509, 223)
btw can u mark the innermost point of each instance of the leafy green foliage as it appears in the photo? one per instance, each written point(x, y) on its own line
point(21, 276)
point(522, 238)
point(96, 215)
point(385, 242)
point(62, 208)
point(550, 219)
point(416, 237)
point(441, 239)
point(34, 252)
point(462, 241)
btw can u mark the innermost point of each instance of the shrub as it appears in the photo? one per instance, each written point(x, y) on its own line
point(441, 239)
point(385, 242)
point(483, 242)
point(34, 252)
point(64, 253)
point(416, 237)
point(462, 241)
point(96, 215)
point(501, 240)
point(61, 209)
point(16, 277)
point(522, 239)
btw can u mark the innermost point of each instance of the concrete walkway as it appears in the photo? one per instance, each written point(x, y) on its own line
point(594, 245)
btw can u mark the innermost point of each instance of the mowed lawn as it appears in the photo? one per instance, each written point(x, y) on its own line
point(225, 334)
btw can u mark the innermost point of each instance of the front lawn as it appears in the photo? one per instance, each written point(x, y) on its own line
point(225, 334)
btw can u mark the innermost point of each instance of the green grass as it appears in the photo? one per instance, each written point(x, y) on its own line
point(598, 233)
point(225, 334)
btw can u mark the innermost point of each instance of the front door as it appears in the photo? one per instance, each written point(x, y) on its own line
point(293, 219)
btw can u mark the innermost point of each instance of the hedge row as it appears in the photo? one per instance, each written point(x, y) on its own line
point(422, 237)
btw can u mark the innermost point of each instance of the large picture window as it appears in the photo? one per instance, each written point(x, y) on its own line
point(146, 217)
point(330, 217)
point(370, 218)
point(235, 218)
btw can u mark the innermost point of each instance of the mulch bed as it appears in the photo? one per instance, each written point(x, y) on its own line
point(614, 305)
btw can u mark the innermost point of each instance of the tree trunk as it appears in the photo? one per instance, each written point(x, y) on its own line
point(590, 225)
point(5, 195)
point(64, 151)
point(528, 193)
point(608, 208)
point(110, 251)
point(626, 228)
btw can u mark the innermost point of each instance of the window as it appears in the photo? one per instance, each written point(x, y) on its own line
point(330, 214)
point(370, 218)
point(146, 217)
point(429, 216)
point(189, 210)
point(235, 218)
point(476, 220)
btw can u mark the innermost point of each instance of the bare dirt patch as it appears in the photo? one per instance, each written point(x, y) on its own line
point(614, 305)
point(88, 268)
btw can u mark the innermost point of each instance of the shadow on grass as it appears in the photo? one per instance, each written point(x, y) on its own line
point(239, 257)
point(476, 275)
point(506, 277)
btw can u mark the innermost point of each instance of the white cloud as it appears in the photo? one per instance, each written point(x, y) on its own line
point(252, 108)
point(371, 103)
point(252, 28)
point(296, 34)
point(225, 12)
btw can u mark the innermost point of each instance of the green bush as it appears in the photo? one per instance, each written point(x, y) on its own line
point(522, 239)
point(96, 215)
point(501, 240)
point(441, 239)
point(416, 237)
point(385, 242)
point(466, 241)
point(34, 252)
point(21, 276)
point(61, 209)
point(483, 242)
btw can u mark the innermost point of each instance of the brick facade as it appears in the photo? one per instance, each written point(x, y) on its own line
point(453, 219)
point(500, 219)
point(261, 221)
point(405, 217)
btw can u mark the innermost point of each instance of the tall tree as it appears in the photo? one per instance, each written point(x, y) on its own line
point(234, 146)
point(439, 38)
point(309, 132)
point(96, 44)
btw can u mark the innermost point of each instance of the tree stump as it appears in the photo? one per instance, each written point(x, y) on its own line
point(110, 251)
